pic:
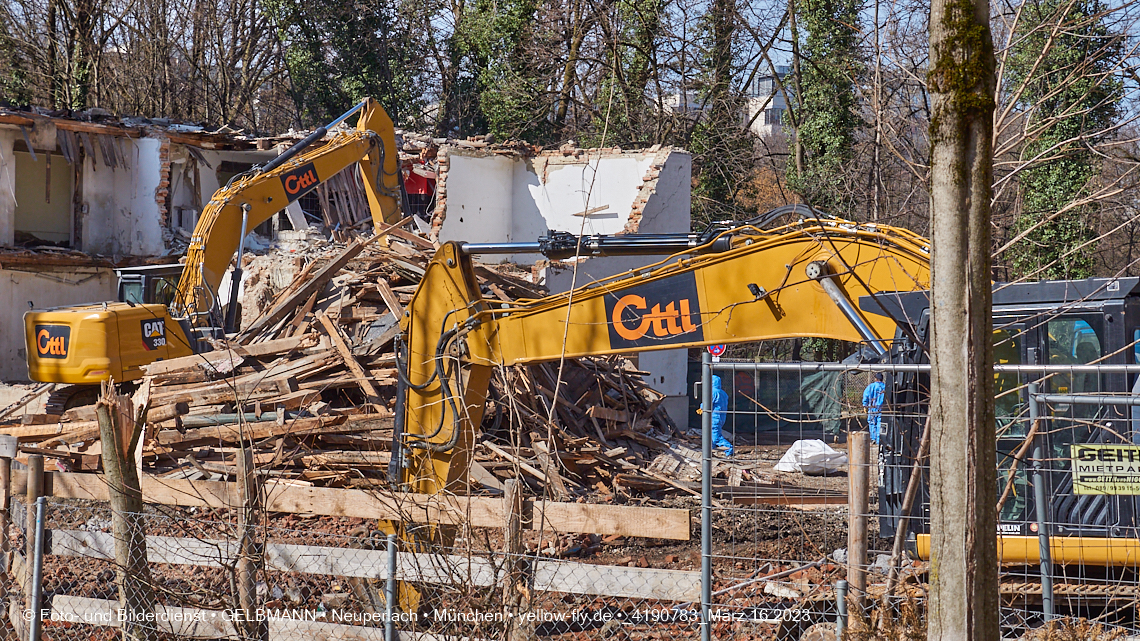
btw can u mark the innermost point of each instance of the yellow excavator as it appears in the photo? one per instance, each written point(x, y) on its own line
point(86, 344)
point(730, 284)
point(818, 277)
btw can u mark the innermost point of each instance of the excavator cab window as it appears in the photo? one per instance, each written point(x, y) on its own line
point(1012, 421)
point(148, 284)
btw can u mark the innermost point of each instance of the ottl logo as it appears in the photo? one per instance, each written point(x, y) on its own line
point(298, 181)
point(52, 341)
point(674, 319)
point(662, 312)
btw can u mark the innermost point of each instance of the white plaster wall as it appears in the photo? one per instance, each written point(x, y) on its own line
point(7, 186)
point(209, 175)
point(508, 199)
point(480, 199)
point(121, 216)
point(668, 209)
point(568, 189)
point(43, 289)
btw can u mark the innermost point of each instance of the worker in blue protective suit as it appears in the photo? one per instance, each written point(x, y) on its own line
point(873, 402)
point(720, 410)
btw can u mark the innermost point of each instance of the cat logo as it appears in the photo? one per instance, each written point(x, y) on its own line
point(298, 181)
point(663, 312)
point(153, 334)
point(52, 341)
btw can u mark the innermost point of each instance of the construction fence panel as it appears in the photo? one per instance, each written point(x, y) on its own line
point(795, 550)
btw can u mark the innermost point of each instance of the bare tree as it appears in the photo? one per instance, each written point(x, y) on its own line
point(964, 579)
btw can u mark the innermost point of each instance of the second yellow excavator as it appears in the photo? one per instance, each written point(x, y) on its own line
point(90, 343)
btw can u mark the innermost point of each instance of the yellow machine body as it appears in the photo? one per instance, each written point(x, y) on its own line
point(89, 343)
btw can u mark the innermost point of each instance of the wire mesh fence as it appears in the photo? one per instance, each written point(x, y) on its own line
point(794, 538)
point(330, 580)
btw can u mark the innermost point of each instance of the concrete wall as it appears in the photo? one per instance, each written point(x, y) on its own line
point(7, 185)
point(45, 287)
point(121, 215)
point(36, 214)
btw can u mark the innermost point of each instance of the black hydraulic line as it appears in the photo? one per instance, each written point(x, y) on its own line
point(561, 245)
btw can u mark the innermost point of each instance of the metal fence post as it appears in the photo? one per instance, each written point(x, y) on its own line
point(840, 608)
point(706, 496)
point(37, 571)
point(390, 592)
point(1041, 506)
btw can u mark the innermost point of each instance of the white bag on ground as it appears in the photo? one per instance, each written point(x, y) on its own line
point(813, 457)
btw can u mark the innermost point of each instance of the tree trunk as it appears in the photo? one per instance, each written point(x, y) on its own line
point(120, 428)
point(964, 577)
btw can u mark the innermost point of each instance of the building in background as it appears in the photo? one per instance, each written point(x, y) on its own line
point(499, 195)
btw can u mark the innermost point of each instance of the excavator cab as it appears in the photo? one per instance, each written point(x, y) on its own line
point(149, 283)
point(1055, 323)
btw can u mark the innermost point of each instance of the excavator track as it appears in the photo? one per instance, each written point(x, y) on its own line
point(66, 397)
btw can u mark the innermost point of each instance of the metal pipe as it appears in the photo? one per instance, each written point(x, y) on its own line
point(235, 275)
point(840, 608)
point(1041, 506)
point(924, 368)
point(472, 249)
point(837, 296)
point(706, 496)
point(1082, 399)
point(390, 592)
point(561, 245)
point(37, 572)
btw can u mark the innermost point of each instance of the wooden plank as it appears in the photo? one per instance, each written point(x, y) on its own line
point(34, 432)
point(221, 362)
point(523, 465)
point(390, 298)
point(351, 459)
point(252, 430)
point(482, 475)
point(587, 518)
point(13, 119)
point(605, 413)
point(349, 360)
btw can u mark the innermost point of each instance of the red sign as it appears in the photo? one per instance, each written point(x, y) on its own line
point(717, 350)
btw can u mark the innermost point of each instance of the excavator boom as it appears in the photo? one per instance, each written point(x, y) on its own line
point(249, 200)
point(793, 281)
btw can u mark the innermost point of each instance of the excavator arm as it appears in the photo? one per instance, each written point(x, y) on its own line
point(744, 284)
point(251, 198)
